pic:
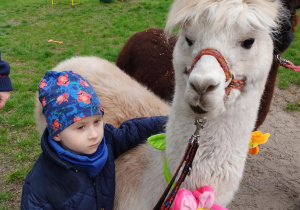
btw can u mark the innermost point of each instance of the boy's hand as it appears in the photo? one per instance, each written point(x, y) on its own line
point(4, 96)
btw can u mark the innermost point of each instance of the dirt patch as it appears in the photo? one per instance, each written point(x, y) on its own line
point(272, 177)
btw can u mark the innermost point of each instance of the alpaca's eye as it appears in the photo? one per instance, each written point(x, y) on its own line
point(247, 44)
point(190, 43)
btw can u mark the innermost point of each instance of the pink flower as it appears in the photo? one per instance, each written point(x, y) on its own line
point(202, 198)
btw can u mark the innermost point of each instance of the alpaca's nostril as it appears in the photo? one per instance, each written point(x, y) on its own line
point(194, 87)
point(211, 87)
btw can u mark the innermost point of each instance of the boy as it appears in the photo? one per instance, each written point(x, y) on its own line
point(5, 83)
point(76, 169)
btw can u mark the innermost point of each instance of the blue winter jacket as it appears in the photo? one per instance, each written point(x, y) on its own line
point(54, 183)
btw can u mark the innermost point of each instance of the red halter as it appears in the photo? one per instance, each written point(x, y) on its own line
point(235, 84)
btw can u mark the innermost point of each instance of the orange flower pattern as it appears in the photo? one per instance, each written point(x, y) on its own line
point(62, 98)
point(44, 102)
point(56, 125)
point(83, 83)
point(42, 84)
point(67, 97)
point(83, 97)
point(63, 80)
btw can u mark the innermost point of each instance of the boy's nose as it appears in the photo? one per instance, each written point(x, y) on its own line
point(93, 134)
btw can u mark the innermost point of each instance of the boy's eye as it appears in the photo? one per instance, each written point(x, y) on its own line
point(97, 121)
point(80, 127)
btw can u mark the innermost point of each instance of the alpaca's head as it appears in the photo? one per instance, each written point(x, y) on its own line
point(240, 30)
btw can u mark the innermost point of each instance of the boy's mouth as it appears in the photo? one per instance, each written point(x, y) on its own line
point(95, 145)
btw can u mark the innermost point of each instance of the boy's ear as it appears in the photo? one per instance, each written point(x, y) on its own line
point(56, 137)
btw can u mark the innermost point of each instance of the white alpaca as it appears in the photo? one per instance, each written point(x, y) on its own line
point(240, 30)
point(230, 27)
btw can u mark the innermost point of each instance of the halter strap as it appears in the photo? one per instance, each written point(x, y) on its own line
point(234, 83)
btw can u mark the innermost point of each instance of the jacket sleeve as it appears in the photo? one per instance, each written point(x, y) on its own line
point(133, 132)
point(5, 83)
point(31, 201)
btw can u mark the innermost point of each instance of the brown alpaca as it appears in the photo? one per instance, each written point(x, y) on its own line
point(147, 57)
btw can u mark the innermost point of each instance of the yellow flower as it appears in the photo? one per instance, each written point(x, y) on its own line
point(257, 138)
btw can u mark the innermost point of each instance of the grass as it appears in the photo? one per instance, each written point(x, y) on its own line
point(5, 196)
point(293, 106)
point(89, 28)
point(286, 76)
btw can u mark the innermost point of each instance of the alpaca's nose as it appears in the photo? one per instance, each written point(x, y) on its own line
point(203, 85)
point(206, 75)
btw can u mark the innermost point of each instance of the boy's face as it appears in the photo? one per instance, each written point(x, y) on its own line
point(83, 136)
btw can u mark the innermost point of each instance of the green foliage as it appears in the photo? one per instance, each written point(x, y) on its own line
point(5, 196)
point(106, 1)
point(292, 107)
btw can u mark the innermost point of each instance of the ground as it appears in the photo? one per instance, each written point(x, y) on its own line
point(272, 177)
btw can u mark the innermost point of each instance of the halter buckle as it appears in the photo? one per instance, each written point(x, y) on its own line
point(281, 60)
point(199, 125)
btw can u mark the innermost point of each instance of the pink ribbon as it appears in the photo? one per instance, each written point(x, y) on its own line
point(202, 198)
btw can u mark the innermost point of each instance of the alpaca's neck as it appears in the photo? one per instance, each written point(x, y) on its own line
point(225, 135)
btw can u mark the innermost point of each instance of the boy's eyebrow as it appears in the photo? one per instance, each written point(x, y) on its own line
point(99, 117)
point(78, 123)
point(81, 122)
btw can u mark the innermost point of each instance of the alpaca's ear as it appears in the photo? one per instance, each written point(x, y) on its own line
point(56, 137)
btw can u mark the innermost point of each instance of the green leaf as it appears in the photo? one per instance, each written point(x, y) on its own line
point(158, 141)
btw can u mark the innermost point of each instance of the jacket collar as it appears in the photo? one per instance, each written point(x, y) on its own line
point(50, 153)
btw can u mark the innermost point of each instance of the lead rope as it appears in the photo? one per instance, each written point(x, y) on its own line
point(286, 63)
point(188, 158)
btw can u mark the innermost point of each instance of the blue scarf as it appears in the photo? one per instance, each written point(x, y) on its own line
point(92, 164)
